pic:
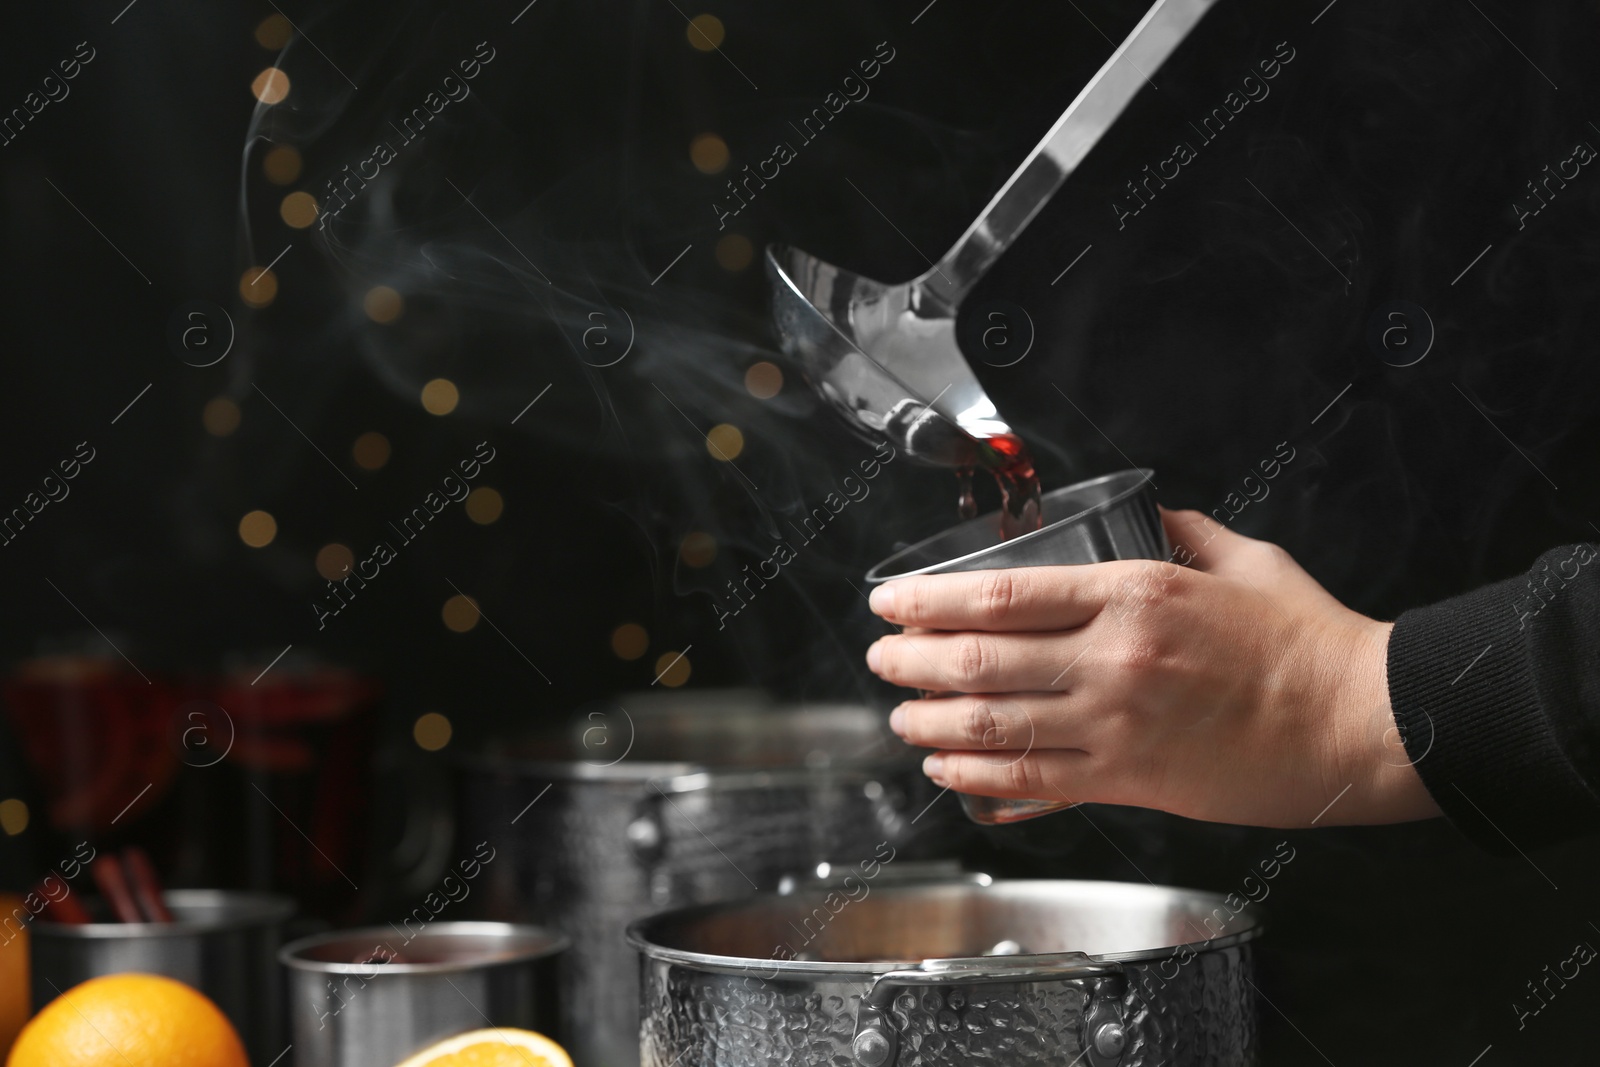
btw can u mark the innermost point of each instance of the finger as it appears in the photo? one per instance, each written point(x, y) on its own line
point(1052, 774)
point(1017, 599)
point(1010, 722)
point(974, 662)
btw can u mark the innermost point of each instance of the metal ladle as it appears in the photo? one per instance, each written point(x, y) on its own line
point(885, 355)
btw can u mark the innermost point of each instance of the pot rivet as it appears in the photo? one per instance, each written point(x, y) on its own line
point(872, 1048)
point(1110, 1039)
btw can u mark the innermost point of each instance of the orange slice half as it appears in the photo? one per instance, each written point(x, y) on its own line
point(493, 1048)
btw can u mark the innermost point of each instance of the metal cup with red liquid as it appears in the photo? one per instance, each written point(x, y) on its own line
point(298, 773)
point(96, 734)
point(1106, 518)
point(279, 759)
point(220, 942)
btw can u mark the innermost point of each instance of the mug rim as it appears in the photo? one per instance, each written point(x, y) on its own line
point(219, 910)
point(542, 943)
point(1145, 476)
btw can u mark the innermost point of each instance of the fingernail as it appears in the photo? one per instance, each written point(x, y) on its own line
point(897, 720)
point(882, 600)
point(933, 767)
point(874, 656)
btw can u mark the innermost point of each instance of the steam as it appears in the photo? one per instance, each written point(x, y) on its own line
point(561, 304)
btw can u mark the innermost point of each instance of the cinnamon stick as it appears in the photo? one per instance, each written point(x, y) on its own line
point(145, 885)
point(113, 883)
point(69, 909)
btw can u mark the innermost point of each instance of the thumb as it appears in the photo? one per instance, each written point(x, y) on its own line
point(1203, 542)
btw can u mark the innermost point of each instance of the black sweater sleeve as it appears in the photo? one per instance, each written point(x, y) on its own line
point(1497, 696)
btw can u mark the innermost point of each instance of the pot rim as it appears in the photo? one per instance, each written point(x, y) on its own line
point(236, 910)
point(744, 739)
point(683, 776)
point(550, 943)
point(775, 967)
point(878, 574)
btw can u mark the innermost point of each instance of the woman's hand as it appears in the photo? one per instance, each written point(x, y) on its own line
point(1235, 689)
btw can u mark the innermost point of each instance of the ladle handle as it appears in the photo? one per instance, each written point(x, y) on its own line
point(1078, 130)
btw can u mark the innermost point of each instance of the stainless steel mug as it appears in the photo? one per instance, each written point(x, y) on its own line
point(220, 942)
point(1106, 518)
point(374, 996)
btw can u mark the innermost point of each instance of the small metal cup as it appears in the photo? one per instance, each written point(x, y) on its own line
point(1106, 518)
point(220, 942)
point(351, 1009)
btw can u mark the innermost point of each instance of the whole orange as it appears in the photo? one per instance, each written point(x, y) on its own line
point(129, 1020)
point(13, 970)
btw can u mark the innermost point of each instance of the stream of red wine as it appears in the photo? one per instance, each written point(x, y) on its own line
point(1013, 472)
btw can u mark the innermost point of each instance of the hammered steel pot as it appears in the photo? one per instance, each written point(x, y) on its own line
point(676, 799)
point(1098, 974)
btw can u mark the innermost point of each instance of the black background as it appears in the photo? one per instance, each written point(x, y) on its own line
point(1224, 319)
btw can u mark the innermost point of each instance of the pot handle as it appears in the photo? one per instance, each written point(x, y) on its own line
point(1104, 1036)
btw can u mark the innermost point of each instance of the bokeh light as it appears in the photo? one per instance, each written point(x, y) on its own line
point(672, 669)
point(258, 287)
point(282, 164)
point(220, 416)
point(298, 210)
point(270, 86)
point(705, 32)
point(258, 528)
point(431, 731)
point(763, 380)
point(734, 252)
point(630, 641)
point(460, 613)
point(334, 561)
point(725, 442)
point(273, 32)
point(382, 304)
point(484, 505)
point(708, 153)
point(371, 451)
point(440, 396)
point(698, 549)
point(13, 816)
